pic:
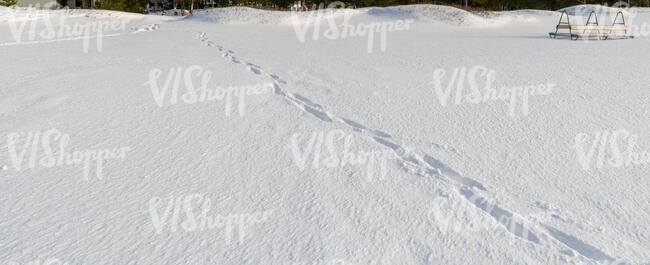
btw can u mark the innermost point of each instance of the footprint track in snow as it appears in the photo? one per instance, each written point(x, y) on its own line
point(428, 166)
point(276, 78)
point(254, 70)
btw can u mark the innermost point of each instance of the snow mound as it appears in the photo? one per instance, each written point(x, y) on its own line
point(246, 15)
point(584, 10)
point(28, 13)
point(419, 13)
point(239, 15)
point(455, 16)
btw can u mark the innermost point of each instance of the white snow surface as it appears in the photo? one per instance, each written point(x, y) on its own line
point(420, 13)
point(470, 164)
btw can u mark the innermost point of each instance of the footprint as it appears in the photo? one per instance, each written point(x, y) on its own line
point(381, 134)
point(398, 149)
point(319, 114)
point(276, 78)
point(254, 70)
point(148, 27)
point(306, 101)
point(514, 225)
point(577, 245)
point(446, 170)
point(279, 91)
point(354, 124)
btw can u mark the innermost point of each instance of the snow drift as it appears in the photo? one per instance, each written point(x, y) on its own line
point(419, 13)
point(474, 182)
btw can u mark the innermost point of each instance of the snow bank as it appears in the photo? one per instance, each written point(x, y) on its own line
point(239, 15)
point(419, 13)
point(245, 15)
point(584, 10)
point(22, 13)
point(29, 13)
point(459, 17)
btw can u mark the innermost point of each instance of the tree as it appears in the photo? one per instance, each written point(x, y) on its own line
point(8, 2)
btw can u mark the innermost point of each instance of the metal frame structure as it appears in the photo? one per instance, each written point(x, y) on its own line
point(613, 28)
point(591, 23)
point(600, 30)
point(568, 23)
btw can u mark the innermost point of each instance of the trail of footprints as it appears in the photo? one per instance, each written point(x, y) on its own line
point(423, 165)
point(229, 54)
point(142, 28)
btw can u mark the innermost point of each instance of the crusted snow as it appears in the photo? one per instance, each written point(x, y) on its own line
point(466, 183)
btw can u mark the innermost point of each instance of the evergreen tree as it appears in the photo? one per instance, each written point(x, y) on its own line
point(8, 2)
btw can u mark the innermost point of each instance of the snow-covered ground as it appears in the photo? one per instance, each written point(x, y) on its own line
point(243, 136)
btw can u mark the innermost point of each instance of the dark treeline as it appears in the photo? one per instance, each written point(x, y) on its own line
point(142, 6)
point(136, 6)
